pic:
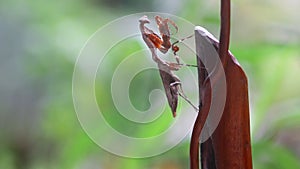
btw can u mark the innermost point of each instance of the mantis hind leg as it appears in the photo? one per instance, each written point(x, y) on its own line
point(178, 90)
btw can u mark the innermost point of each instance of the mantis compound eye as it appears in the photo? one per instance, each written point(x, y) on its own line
point(175, 49)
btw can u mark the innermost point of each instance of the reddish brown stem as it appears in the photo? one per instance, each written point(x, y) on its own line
point(199, 124)
point(224, 31)
point(204, 89)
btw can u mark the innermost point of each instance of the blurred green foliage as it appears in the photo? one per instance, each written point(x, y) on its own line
point(39, 43)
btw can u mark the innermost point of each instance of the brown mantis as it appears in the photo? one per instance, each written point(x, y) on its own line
point(171, 82)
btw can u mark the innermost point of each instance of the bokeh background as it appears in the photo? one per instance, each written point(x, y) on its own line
point(39, 43)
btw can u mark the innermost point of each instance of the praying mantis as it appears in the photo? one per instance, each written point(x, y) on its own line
point(171, 82)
